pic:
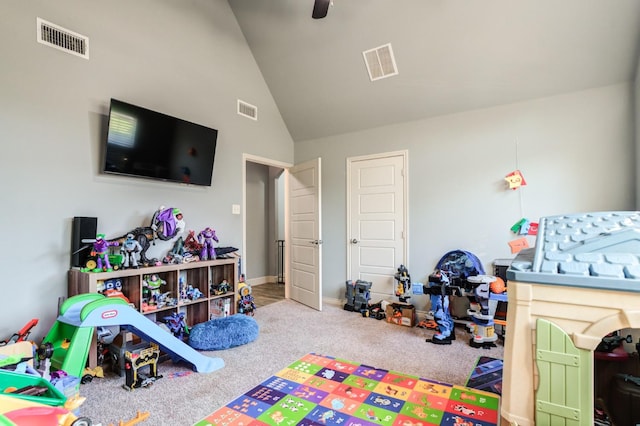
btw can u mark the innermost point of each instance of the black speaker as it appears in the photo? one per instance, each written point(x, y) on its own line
point(83, 228)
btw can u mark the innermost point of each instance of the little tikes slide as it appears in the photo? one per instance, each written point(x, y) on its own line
point(69, 339)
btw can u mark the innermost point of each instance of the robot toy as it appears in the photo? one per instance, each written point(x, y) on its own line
point(130, 248)
point(439, 290)
point(403, 284)
point(176, 324)
point(206, 237)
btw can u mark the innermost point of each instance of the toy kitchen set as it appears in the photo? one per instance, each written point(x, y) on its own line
point(579, 283)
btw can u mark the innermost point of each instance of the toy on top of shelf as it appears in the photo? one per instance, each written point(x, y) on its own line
point(191, 244)
point(206, 237)
point(101, 251)
point(130, 248)
point(176, 254)
point(153, 282)
point(167, 222)
point(404, 284)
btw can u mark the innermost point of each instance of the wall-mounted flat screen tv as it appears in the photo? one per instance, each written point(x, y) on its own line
point(149, 144)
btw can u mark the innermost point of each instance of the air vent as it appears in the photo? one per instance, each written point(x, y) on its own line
point(380, 62)
point(247, 110)
point(60, 38)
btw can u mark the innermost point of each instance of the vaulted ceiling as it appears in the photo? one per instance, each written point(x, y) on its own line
point(451, 55)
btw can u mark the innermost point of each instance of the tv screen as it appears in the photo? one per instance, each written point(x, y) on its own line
point(149, 144)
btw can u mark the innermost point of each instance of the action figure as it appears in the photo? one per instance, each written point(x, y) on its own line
point(153, 282)
point(177, 325)
point(130, 248)
point(404, 284)
point(167, 222)
point(246, 303)
point(439, 293)
point(206, 237)
point(101, 251)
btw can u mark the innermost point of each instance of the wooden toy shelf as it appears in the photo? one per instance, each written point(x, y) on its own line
point(201, 275)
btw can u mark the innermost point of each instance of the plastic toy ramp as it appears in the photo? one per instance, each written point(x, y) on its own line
point(80, 314)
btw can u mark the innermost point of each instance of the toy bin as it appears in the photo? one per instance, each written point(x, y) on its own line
point(32, 388)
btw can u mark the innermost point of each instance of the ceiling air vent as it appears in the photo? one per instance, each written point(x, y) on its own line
point(247, 110)
point(60, 38)
point(380, 62)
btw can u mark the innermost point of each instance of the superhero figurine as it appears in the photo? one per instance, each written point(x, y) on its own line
point(206, 237)
point(101, 251)
point(129, 249)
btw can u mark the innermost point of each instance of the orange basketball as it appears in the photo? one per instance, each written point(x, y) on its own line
point(498, 286)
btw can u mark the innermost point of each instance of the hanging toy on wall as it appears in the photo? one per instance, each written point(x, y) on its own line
point(515, 180)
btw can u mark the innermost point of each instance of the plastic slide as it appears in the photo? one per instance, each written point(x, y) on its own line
point(69, 339)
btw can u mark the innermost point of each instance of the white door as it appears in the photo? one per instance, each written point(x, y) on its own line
point(305, 230)
point(377, 220)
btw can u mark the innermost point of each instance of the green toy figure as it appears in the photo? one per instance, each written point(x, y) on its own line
point(153, 282)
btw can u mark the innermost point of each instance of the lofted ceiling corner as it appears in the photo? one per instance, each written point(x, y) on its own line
point(452, 56)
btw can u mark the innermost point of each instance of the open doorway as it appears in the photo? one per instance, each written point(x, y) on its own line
point(264, 229)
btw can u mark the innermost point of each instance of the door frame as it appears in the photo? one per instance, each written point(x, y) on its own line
point(405, 174)
point(274, 163)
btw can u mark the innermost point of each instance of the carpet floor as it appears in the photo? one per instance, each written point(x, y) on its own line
point(323, 390)
point(287, 332)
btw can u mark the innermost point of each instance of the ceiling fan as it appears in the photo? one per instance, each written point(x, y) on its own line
point(320, 8)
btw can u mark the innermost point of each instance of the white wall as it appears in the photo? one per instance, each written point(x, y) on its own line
point(576, 152)
point(187, 59)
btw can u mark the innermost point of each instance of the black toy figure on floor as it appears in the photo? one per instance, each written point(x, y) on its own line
point(134, 362)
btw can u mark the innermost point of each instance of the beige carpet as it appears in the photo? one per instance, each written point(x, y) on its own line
point(288, 331)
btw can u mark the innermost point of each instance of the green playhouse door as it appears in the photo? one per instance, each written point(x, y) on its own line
point(565, 372)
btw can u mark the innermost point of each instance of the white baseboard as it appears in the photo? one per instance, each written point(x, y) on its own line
point(261, 280)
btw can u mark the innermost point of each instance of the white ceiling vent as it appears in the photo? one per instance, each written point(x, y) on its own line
point(247, 110)
point(380, 62)
point(60, 38)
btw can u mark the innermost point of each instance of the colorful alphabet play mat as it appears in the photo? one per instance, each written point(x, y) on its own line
point(322, 390)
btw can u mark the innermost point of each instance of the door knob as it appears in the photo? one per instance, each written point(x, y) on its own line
point(354, 241)
point(316, 242)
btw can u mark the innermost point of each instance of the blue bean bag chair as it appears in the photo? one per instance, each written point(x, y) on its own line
point(223, 333)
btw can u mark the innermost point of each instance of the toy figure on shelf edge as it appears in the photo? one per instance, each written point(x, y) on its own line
point(101, 251)
point(166, 224)
point(130, 248)
point(206, 237)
